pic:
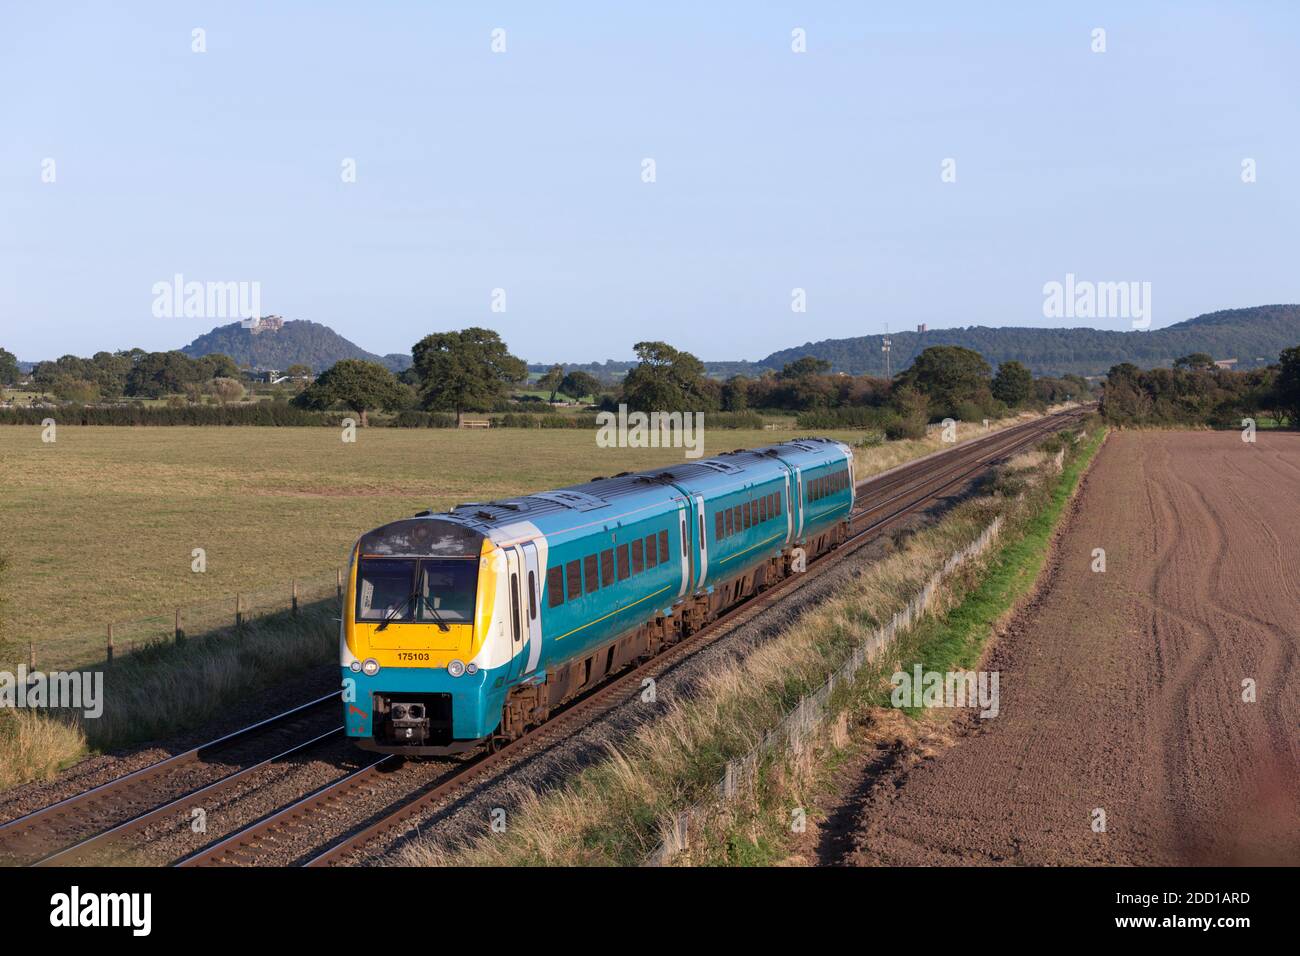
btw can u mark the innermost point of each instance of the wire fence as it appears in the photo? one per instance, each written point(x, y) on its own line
point(229, 613)
point(797, 729)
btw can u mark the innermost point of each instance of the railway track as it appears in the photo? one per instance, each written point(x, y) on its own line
point(904, 490)
point(72, 830)
point(131, 802)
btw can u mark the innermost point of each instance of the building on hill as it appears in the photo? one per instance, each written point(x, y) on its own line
point(266, 323)
point(1225, 363)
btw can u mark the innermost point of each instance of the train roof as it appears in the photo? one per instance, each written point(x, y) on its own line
point(625, 487)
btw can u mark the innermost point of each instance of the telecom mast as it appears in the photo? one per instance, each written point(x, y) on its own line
point(884, 347)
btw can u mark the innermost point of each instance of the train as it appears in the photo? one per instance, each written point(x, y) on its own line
point(465, 629)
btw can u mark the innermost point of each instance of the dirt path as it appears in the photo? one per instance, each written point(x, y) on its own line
point(1123, 690)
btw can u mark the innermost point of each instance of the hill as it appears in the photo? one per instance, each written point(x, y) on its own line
point(1252, 336)
point(277, 344)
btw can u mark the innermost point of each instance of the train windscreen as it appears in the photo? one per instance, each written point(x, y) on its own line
point(416, 590)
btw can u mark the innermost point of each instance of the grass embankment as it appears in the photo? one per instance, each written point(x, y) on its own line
point(164, 689)
point(610, 812)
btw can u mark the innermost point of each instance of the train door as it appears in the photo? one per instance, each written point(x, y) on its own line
point(701, 550)
point(531, 609)
point(515, 585)
point(684, 527)
point(798, 502)
point(789, 511)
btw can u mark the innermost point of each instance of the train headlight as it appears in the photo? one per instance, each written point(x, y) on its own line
point(471, 669)
point(370, 667)
point(356, 666)
point(455, 668)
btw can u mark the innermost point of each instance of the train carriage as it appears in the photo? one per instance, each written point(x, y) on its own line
point(469, 626)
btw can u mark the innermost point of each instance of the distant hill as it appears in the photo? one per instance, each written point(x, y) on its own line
point(278, 343)
point(1252, 336)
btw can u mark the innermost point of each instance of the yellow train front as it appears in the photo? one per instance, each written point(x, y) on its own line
point(475, 624)
point(421, 673)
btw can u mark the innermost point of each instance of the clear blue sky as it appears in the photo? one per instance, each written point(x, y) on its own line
point(522, 170)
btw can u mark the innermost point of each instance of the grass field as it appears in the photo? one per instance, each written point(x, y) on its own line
point(101, 524)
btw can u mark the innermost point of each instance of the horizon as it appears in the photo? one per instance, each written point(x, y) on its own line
point(632, 359)
point(477, 171)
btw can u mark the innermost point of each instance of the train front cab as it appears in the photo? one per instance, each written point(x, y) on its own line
point(417, 616)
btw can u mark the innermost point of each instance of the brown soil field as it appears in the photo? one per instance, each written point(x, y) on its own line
point(1122, 691)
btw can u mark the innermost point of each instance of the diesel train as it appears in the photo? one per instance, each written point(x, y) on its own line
point(466, 628)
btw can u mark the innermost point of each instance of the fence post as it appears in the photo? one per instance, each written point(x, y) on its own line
point(295, 596)
point(109, 653)
point(239, 610)
point(180, 634)
point(338, 584)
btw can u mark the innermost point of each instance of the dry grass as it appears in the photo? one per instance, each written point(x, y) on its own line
point(101, 524)
point(34, 747)
point(873, 459)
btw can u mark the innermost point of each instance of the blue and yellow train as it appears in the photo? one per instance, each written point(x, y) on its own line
point(468, 627)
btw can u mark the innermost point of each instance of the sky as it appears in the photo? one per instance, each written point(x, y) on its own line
point(524, 170)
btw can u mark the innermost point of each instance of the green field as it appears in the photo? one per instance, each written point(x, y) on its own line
point(101, 524)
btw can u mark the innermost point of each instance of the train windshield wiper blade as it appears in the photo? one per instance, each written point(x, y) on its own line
point(437, 618)
point(397, 612)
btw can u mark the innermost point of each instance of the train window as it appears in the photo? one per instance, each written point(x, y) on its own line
point(731, 525)
point(555, 586)
point(573, 570)
point(651, 552)
point(607, 567)
point(719, 527)
point(762, 508)
point(638, 556)
point(589, 572)
point(776, 504)
point(624, 569)
point(740, 521)
point(744, 513)
point(532, 596)
point(663, 547)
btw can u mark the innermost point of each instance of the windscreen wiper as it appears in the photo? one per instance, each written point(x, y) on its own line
point(397, 612)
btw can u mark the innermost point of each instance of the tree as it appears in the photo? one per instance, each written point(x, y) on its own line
point(735, 394)
point(578, 384)
point(298, 370)
point(156, 374)
point(215, 366)
point(666, 380)
point(551, 381)
point(1013, 384)
point(226, 390)
point(949, 375)
point(1195, 360)
point(464, 370)
point(80, 390)
point(805, 367)
point(1286, 388)
point(9, 373)
point(359, 385)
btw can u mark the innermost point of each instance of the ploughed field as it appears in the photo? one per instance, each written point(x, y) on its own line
point(1122, 691)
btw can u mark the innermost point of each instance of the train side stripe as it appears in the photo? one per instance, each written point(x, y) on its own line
point(613, 612)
